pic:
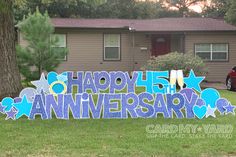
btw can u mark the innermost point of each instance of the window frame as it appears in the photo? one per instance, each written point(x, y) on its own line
point(104, 47)
point(212, 52)
point(65, 43)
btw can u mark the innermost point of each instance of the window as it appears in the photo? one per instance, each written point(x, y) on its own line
point(212, 52)
point(60, 44)
point(112, 47)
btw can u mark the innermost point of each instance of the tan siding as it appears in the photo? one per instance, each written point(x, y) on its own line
point(217, 70)
point(21, 41)
point(141, 56)
point(86, 53)
point(176, 43)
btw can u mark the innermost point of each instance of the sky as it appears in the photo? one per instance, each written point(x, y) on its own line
point(196, 8)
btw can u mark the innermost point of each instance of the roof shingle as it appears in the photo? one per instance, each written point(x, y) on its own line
point(162, 24)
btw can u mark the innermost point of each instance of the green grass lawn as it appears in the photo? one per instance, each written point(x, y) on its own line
point(110, 137)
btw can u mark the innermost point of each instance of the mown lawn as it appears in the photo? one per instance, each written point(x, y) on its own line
point(110, 137)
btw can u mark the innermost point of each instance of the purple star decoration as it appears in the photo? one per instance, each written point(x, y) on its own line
point(11, 114)
point(230, 109)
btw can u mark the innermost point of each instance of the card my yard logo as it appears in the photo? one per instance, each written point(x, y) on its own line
point(113, 95)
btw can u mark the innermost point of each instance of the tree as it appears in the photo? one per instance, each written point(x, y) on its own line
point(129, 9)
point(231, 13)
point(20, 9)
point(147, 10)
point(9, 73)
point(116, 9)
point(183, 6)
point(43, 52)
point(216, 8)
point(59, 8)
point(95, 2)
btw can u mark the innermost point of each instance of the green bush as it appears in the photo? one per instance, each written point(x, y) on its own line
point(176, 61)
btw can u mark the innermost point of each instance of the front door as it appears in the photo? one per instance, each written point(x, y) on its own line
point(233, 77)
point(160, 45)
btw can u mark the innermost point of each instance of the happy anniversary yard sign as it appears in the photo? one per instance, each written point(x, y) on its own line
point(101, 94)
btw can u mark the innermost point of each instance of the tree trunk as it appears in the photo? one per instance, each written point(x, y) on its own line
point(10, 82)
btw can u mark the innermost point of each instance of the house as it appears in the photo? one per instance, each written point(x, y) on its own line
point(126, 45)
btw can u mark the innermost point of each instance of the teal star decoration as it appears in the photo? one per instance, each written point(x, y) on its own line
point(193, 82)
point(23, 107)
point(7, 103)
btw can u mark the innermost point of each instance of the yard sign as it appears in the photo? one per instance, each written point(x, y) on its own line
point(96, 95)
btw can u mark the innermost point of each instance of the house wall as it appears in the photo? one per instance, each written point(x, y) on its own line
point(86, 53)
point(217, 70)
point(21, 41)
point(141, 50)
point(86, 50)
point(135, 50)
point(177, 43)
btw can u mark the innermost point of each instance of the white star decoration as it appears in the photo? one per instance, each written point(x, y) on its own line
point(41, 84)
point(210, 112)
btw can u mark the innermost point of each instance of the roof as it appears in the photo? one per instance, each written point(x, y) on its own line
point(162, 24)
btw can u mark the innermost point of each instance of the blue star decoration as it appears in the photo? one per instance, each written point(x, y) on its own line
point(230, 109)
point(193, 82)
point(23, 108)
point(2, 109)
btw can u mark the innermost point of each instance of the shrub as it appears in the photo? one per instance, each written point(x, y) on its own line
point(176, 61)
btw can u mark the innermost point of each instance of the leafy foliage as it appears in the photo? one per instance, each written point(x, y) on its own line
point(41, 53)
point(183, 6)
point(178, 61)
point(58, 8)
point(129, 9)
point(217, 8)
point(98, 9)
point(231, 13)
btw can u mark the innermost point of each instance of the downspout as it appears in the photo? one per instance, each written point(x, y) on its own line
point(184, 44)
point(133, 47)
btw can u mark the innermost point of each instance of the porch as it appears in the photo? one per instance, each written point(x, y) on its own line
point(155, 44)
